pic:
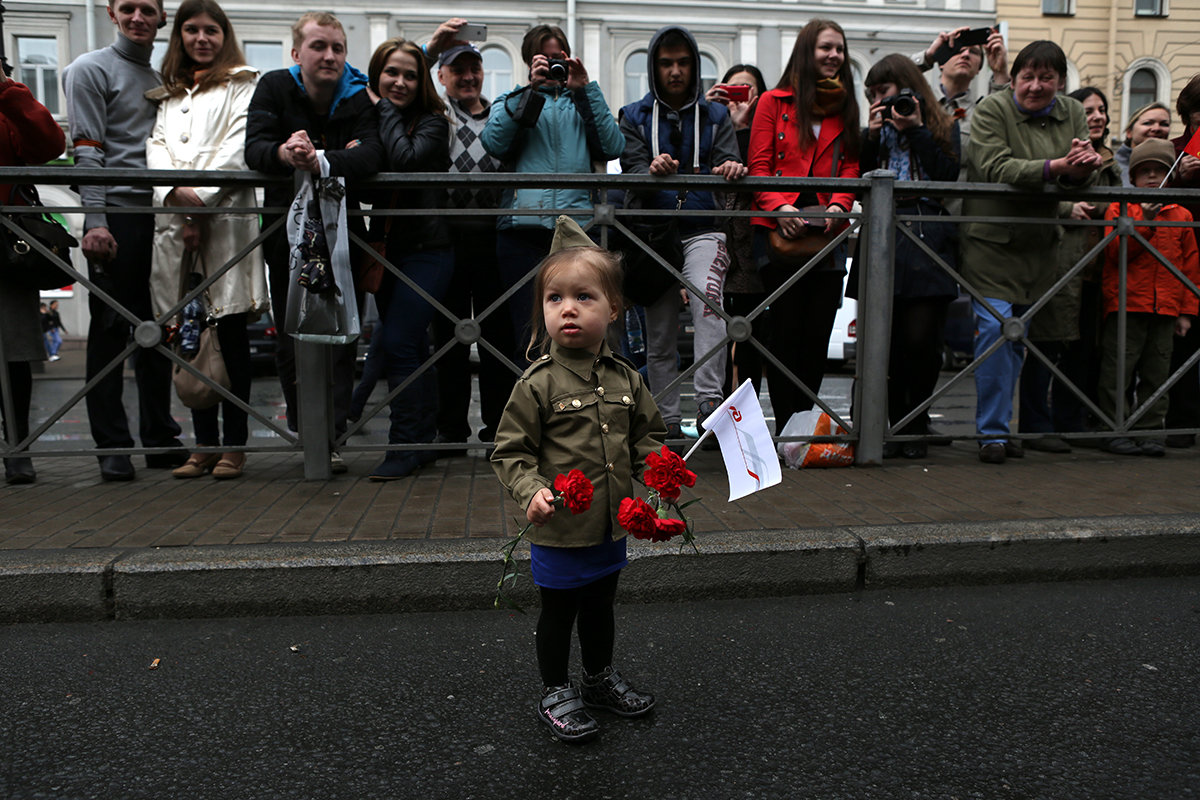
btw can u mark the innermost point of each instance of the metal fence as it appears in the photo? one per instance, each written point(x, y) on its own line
point(875, 228)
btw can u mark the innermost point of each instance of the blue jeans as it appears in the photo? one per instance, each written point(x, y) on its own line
point(404, 331)
point(518, 250)
point(995, 378)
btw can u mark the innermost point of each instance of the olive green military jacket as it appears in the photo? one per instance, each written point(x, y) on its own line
point(1009, 261)
point(576, 410)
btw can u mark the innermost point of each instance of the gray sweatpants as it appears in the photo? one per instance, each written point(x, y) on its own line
point(705, 261)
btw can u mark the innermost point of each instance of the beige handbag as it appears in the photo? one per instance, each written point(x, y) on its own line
point(193, 392)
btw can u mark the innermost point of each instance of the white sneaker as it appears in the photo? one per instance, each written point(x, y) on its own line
point(55, 357)
point(336, 465)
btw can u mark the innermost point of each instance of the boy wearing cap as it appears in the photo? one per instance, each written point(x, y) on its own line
point(1158, 305)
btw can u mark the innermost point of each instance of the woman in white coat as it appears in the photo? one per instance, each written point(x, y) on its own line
point(201, 126)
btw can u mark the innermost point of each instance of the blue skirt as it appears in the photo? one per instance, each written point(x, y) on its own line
point(572, 567)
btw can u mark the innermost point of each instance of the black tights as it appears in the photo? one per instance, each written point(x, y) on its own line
point(916, 357)
point(593, 605)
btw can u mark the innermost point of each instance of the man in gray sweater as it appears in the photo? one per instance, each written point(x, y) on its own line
point(110, 121)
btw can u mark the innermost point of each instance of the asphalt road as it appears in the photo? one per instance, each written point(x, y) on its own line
point(1074, 690)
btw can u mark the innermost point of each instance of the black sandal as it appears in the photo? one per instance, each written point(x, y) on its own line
point(610, 691)
point(562, 708)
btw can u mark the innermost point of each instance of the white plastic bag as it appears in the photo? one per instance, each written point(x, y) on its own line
point(328, 317)
point(814, 422)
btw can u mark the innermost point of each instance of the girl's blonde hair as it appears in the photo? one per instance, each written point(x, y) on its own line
point(605, 266)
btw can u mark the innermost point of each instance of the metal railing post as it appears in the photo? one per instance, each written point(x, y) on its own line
point(314, 393)
point(874, 317)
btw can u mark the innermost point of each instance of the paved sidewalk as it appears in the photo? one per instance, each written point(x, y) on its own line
point(459, 499)
point(74, 547)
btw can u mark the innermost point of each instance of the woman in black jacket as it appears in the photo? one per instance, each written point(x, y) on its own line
point(910, 134)
point(416, 138)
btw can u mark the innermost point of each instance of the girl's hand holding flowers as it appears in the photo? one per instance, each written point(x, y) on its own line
point(574, 491)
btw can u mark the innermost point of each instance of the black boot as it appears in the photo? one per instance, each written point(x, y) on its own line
point(414, 421)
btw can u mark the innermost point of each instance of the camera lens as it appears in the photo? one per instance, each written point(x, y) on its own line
point(905, 106)
point(558, 71)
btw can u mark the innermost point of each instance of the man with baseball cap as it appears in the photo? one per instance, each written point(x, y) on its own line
point(476, 282)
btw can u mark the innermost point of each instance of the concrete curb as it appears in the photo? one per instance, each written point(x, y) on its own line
point(394, 576)
point(55, 585)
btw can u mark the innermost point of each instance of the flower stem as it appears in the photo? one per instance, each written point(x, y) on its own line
point(509, 574)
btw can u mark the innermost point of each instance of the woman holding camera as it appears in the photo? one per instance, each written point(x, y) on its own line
point(807, 126)
point(918, 141)
point(558, 123)
point(416, 137)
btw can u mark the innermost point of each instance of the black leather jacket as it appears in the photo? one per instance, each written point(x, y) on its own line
point(412, 142)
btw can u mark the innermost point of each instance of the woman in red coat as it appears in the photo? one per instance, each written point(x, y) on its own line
point(28, 135)
point(807, 126)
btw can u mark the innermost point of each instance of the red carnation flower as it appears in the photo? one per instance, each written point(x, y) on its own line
point(665, 472)
point(576, 491)
point(638, 518)
point(668, 528)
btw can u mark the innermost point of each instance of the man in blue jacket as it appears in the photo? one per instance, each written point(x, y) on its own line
point(557, 123)
point(673, 130)
point(319, 107)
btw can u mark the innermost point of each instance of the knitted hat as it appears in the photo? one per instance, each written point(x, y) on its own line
point(567, 233)
point(1159, 151)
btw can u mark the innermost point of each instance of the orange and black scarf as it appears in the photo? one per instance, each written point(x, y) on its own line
point(830, 98)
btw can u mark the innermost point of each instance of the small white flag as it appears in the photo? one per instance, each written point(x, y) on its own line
point(746, 446)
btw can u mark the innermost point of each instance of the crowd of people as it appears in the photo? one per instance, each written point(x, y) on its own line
point(208, 110)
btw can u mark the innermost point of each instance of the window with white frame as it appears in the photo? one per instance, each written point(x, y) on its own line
point(1058, 7)
point(1150, 8)
point(37, 68)
point(709, 75)
point(497, 72)
point(1143, 88)
point(264, 56)
point(158, 52)
point(637, 80)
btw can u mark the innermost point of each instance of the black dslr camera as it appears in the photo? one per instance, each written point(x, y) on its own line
point(559, 70)
point(904, 104)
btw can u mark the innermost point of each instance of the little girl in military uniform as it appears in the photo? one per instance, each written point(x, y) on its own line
point(578, 406)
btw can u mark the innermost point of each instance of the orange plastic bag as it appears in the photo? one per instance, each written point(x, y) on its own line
point(814, 422)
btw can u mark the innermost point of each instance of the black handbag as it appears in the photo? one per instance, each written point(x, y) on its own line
point(20, 262)
point(645, 278)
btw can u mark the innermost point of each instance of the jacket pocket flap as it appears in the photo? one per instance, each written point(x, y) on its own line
point(991, 232)
point(573, 402)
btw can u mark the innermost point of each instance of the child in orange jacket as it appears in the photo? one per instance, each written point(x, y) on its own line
point(1158, 305)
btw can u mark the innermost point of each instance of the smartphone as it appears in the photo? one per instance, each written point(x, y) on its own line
point(472, 33)
point(975, 36)
point(736, 92)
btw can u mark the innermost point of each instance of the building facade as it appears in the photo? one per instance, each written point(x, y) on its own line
point(42, 36)
point(1136, 51)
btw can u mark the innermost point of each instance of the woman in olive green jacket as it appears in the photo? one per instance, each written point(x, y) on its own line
point(1067, 329)
point(1029, 136)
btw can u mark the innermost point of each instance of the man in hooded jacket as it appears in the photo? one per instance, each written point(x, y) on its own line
point(671, 131)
